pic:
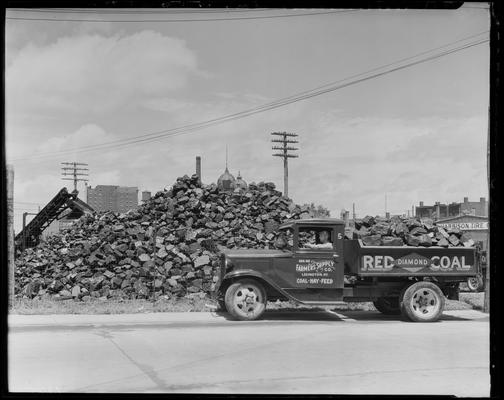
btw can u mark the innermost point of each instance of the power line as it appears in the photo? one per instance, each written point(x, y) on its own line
point(291, 99)
point(182, 20)
point(97, 146)
point(189, 128)
point(266, 107)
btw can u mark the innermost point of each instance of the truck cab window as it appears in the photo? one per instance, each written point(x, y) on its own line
point(285, 239)
point(310, 238)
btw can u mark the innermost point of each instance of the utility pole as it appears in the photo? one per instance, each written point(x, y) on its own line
point(285, 148)
point(25, 214)
point(72, 169)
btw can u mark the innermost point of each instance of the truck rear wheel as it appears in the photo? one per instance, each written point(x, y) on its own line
point(475, 283)
point(246, 300)
point(388, 305)
point(422, 302)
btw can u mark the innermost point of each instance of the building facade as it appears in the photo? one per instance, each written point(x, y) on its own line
point(440, 211)
point(68, 217)
point(478, 208)
point(146, 195)
point(112, 198)
point(476, 226)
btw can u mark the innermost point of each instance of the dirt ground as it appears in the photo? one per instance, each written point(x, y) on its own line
point(468, 300)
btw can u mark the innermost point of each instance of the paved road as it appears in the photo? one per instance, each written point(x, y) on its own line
point(287, 352)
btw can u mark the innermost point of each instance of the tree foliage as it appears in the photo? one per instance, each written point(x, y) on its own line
point(318, 211)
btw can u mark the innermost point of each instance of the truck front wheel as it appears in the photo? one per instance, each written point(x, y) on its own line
point(246, 300)
point(388, 305)
point(422, 302)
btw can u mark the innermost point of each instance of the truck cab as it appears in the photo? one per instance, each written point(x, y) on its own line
point(315, 265)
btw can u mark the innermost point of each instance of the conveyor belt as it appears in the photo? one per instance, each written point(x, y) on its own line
point(30, 235)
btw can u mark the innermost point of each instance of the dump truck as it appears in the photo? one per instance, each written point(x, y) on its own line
point(400, 280)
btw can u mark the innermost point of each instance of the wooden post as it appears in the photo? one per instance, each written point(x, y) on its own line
point(154, 251)
point(286, 176)
point(198, 168)
point(10, 233)
point(486, 303)
point(284, 153)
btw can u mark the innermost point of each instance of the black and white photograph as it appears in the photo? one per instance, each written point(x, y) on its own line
point(248, 200)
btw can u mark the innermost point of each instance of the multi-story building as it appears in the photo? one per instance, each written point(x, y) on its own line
point(112, 198)
point(440, 211)
point(477, 208)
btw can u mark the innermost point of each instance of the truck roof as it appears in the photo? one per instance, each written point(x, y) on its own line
point(312, 221)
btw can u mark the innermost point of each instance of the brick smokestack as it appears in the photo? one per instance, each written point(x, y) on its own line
point(198, 167)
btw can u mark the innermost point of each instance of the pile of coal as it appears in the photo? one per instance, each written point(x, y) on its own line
point(400, 231)
point(168, 246)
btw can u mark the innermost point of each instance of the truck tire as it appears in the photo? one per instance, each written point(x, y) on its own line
point(245, 300)
point(388, 305)
point(422, 302)
point(475, 283)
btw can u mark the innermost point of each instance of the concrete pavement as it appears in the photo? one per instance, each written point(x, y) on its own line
point(286, 352)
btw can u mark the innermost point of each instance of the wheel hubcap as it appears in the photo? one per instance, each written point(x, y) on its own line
point(424, 302)
point(247, 300)
point(473, 283)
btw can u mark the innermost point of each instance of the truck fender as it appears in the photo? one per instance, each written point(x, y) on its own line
point(248, 273)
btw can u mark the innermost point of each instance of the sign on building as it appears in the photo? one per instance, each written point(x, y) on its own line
point(464, 226)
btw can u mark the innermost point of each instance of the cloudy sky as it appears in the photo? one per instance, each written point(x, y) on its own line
point(418, 133)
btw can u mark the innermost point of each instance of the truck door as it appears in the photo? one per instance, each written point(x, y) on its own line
point(315, 271)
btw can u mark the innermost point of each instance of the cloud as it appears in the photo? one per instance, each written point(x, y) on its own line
point(167, 104)
point(110, 177)
point(92, 73)
point(86, 135)
point(447, 141)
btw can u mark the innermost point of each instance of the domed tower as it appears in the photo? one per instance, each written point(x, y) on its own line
point(226, 181)
point(240, 183)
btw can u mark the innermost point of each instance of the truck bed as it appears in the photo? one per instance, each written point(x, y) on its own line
point(408, 260)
